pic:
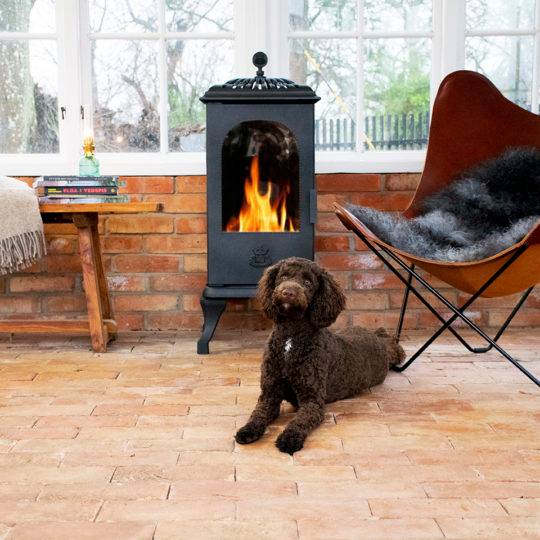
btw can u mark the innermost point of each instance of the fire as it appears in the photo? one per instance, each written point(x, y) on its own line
point(259, 213)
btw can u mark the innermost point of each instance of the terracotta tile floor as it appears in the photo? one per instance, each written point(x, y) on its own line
point(138, 443)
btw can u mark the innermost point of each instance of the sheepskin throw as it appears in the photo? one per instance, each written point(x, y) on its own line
point(22, 241)
point(486, 210)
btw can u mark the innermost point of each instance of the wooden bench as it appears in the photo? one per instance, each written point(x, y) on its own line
point(100, 323)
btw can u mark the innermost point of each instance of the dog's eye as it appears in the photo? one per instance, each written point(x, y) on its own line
point(307, 283)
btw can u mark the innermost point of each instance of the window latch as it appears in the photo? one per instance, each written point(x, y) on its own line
point(63, 111)
point(82, 112)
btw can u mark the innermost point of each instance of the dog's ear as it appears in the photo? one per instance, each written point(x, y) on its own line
point(328, 301)
point(267, 284)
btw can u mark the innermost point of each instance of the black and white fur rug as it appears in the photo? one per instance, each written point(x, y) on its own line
point(488, 209)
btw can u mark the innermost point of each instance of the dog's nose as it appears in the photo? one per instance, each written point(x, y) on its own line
point(287, 293)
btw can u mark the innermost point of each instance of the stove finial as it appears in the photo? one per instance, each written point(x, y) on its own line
point(259, 61)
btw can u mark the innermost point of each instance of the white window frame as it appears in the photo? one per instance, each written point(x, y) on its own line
point(258, 25)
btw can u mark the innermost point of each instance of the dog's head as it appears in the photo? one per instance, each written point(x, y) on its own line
point(298, 288)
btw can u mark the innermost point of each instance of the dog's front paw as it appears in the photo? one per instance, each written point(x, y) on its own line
point(290, 442)
point(249, 433)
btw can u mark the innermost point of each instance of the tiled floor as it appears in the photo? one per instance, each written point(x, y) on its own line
point(138, 443)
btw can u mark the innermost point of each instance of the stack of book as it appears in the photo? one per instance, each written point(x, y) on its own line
point(78, 189)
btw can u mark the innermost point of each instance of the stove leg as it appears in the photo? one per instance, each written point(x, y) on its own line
point(212, 310)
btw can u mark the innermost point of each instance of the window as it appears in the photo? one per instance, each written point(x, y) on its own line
point(500, 43)
point(133, 72)
point(29, 83)
point(370, 62)
point(151, 60)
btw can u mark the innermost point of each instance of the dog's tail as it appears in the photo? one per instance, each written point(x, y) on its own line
point(396, 354)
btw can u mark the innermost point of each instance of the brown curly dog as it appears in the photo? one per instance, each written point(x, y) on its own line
point(306, 364)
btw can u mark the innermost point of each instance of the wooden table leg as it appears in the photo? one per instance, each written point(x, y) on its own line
point(103, 288)
point(89, 261)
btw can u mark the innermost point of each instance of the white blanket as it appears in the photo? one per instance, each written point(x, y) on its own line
point(22, 241)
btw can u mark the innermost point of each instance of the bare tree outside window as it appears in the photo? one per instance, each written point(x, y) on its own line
point(126, 77)
point(395, 72)
point(506, 60)
point(28, 81)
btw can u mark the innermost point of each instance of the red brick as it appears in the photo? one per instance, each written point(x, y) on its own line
point(60, 229)
point(57, 264)
point(402, 181)
point(178, 282)
point(148, 184)
point(190, 184)
point(533, 301)
point(343, 278)
point(327, 222)
point(375, 280)
point(41, 283)
point(389, 201)
point(525, 317)
point(145, 302)
point(386, 319)
point(194, 203)
point(332, 243)
point(195, 263)
point(174, 321)
point(359, 245)
point(65, 303)
point(146, 263)
point(427, 320)
point(122, 244)
point(129, 321)
point(367, 300)
point(126, 283)
point(38, 267)
point(348, 182)
point(191, 302)
point(190, 224)
point(396, 299)
point(140, 224)
point(350, 261)
point(183, 243)
point(19, 304)
point(61, 244)
point(325, 203)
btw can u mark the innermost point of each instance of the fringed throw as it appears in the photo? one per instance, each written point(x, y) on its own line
point(22, 241)
point(486, 210)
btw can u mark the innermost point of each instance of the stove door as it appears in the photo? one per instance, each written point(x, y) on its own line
point(258, 190)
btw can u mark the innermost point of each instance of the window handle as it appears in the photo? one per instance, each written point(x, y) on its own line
point(63, 111)
point(82, 112)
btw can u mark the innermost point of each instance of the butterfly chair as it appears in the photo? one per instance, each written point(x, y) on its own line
point(471, 122)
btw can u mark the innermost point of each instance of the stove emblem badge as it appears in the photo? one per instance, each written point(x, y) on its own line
point(260, 257)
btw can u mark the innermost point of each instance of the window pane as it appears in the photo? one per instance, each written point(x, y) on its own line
point(126, 95)
point(29, 90)
point(407, 15)
point(27, 16)
point(322, 15)
point(199, 15)
point(123, 16)
point(507, 61)
point(396, 93)
point(499, 14)
point(329, 67)
point(192, 67)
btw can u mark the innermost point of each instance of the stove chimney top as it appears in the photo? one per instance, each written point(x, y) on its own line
point(260, 88)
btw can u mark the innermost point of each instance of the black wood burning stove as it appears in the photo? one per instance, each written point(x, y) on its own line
point(261, 199)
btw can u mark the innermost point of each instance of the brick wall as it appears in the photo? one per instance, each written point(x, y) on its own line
point(156, 263)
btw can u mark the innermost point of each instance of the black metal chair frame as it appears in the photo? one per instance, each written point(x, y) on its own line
point(458, 312)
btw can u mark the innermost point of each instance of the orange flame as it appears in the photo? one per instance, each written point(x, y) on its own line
point(258, 212)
